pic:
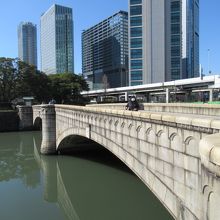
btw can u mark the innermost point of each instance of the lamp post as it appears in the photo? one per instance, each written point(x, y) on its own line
point(209, 71)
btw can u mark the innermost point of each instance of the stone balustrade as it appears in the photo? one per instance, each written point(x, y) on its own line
point(180, 108)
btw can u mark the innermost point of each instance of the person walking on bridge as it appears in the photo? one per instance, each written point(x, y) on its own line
point(132, 104)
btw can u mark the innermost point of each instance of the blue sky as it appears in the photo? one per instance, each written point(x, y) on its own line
point(87, 13)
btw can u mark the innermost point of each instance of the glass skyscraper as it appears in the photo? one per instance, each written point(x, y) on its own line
point(190, 38)
point(105, 52)
point(163, 40)
point(56, 40)
point(27, 43)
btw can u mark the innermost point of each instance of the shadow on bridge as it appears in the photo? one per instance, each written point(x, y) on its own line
point(38, 124)
point(88, 149)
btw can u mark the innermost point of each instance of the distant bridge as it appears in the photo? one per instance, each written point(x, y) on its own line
point(173, 148)
point(208, 84)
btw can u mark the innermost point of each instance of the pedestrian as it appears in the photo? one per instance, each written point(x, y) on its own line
point(52, 102)
point(132, 104)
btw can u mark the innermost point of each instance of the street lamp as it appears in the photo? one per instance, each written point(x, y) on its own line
point(209, 71)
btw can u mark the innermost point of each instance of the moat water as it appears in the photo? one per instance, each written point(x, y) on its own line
point(87, 185)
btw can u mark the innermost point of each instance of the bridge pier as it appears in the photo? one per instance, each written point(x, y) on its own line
point(48, 114)
point(25, 114)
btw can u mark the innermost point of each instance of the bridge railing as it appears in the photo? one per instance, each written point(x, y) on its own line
point(181, 108)
point(210, 124)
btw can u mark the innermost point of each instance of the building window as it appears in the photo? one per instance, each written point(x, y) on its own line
point(136, 83)
point(136, 64)
point(136, 75)
point(136, 53)
point(175, 63)
point(136, 42)
point(175, 40)
point(136, 10)
point(135, 2)
point(175, 28)
point(136, 21)
point(175, 51)
point(136, 32)
point(175, 6)
point(175, 74)
point(175, 17)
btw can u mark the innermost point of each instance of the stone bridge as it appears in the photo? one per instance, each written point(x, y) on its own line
point(172, 148)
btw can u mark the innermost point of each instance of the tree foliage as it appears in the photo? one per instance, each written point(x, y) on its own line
point(66, 88)
point(32, 82)
point(8, 78)
point(19, 79)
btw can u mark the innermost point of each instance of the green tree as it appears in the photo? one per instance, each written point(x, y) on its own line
point(66, 88)
point(19, 79)
point(8, 79)
point(32, 82)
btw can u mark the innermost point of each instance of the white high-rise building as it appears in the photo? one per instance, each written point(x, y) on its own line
point(27, 43)
point(56, 40)
point(163, 40)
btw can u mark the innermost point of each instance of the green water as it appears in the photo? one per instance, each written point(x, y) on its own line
point(89, 185)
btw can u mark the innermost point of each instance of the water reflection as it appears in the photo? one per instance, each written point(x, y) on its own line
point(85, 187)
point(17, 159)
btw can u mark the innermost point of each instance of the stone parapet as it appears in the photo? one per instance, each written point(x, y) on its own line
point(192, 120)
point(184, 108)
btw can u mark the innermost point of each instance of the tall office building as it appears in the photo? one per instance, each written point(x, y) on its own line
point(190, 38)
point(163, 40)
point(105, 52)
point(27, 43)
point(56, 40)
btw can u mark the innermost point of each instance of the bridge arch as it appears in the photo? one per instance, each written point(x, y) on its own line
point(158, 188)
point(75, 131)
point(37, 123)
